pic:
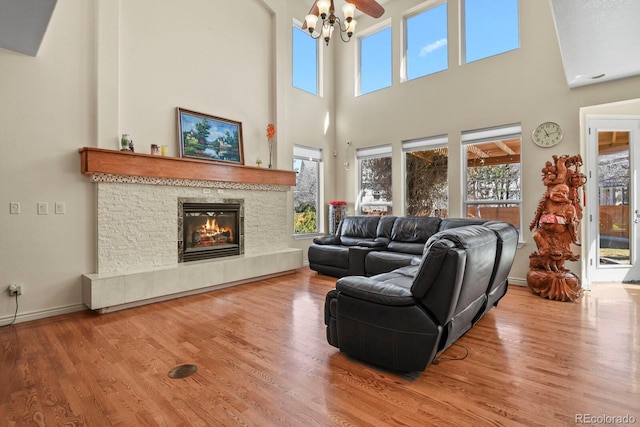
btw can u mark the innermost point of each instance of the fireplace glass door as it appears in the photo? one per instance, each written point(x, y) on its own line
point(210, 230)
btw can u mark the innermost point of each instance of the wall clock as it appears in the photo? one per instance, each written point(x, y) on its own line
point(547, 134)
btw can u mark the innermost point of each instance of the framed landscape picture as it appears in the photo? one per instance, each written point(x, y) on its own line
point(209, 138)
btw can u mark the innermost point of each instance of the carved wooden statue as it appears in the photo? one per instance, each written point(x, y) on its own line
point(556, 222)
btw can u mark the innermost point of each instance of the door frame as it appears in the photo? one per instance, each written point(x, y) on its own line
point(591, 219)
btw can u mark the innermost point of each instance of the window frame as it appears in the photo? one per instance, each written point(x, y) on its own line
point(312, 154)
point(366, 153)
point(375, 29)
point(463, 35)
point(478, 136)
point(423, 8)
point(297, 26)
point(422, 144)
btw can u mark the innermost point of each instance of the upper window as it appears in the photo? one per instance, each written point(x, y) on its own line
point(306, 194)
point(493, 174)
point(426, 42)
point(375, 61)
point(490, 28)
point(426, 184)
point(374, 195)
point(305, 61)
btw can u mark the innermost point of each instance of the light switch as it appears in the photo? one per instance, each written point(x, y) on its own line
point(60, 208)
point(43, 208)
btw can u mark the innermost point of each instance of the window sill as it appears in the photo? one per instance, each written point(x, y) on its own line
point(307, 236)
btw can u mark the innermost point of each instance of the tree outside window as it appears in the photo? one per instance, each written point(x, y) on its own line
point(426, 183)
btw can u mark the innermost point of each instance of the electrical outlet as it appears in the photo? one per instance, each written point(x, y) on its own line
point(15, 289)
point(14, 208)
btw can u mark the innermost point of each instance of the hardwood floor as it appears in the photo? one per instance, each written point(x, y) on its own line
point(263, 360)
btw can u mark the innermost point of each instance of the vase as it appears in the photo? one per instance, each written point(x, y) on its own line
point(270, 152)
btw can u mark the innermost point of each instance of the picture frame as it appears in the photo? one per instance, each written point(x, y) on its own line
point(205, 137)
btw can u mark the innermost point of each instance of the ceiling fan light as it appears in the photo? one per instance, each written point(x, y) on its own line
point(311, 21)
point(349, 10)
point(327, 31)
point(323, 7)
point(351, 28)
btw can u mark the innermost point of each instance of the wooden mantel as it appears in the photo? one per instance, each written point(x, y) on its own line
point(99, 160)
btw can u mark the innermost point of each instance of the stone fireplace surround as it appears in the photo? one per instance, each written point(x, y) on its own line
point(137, 239)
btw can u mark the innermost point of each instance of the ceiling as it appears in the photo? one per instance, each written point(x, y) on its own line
point(599, 39)
point(23, 24)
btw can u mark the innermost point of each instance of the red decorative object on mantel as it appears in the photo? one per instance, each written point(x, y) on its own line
point(337, 211)
point(271, 134)
point(556, 222)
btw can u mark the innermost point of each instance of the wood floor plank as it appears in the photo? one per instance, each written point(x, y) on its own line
point(263, 360)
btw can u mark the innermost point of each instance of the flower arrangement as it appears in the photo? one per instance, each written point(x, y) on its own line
point(337, 202)
point(271, 133)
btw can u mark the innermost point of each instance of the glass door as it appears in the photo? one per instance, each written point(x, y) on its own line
point(613, 200)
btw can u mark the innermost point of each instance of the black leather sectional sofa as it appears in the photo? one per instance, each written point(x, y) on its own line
point(403, 318)
point(368, 245)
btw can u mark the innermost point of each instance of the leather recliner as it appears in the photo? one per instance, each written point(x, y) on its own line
point(401, 320)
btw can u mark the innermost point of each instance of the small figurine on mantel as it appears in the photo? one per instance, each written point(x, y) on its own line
point(556, 222)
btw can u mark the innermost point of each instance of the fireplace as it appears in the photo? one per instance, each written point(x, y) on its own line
point(209, 229)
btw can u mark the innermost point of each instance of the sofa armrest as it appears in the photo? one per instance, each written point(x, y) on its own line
point(371, 290)
point(327, 240)
point(357, 256)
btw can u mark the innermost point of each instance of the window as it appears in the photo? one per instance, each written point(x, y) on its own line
point(490, 28)
point(426, 184)
point(426, 42)
point(306, 194)
point(305, 61)
point(375, 61)
point(492, 174)
point(374, 195)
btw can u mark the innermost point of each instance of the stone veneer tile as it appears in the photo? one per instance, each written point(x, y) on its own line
point(137, 222)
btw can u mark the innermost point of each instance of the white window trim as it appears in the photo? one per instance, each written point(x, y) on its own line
point(313, 154)
point(362, 35)
point(419, 144)
point(366, 153)
point(319, 61)
point(485, 135)
point(423, 7)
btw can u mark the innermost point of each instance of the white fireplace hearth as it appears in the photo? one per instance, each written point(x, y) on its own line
point(137, 238)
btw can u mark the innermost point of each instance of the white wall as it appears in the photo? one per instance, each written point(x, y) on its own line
point(107, 68)
point(47, 112)
point(526, 85)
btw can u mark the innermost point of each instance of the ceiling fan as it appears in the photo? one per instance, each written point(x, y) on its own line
point(325, 10)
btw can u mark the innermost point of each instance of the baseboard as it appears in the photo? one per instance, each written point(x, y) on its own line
point(517, 281)
point(42, 314)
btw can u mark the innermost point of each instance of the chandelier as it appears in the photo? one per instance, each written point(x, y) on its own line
point(324, 10)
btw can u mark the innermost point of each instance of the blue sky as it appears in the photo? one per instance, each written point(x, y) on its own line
point(491, 28)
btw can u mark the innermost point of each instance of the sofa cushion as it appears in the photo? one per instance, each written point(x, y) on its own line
point(393, 291)
point(385, 225)
point(414, 229)
point(354, 229)
point(383, 261)
point(407, 248)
